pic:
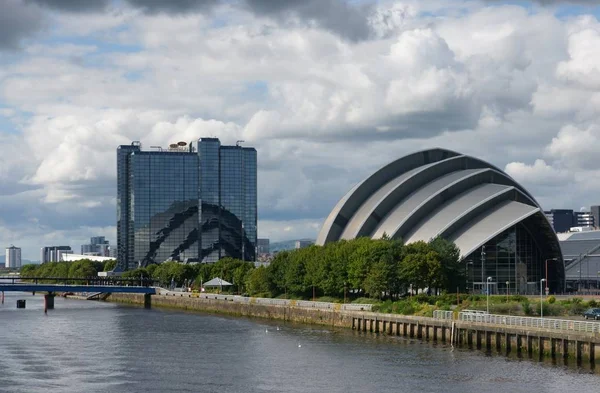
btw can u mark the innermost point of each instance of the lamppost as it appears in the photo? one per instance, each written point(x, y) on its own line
point(471, 275)
point(482, 261)
point(579, 271)
point(507, 290)
point(487, 289)
point(541, 297)
point(551, 259)
point(344, 292)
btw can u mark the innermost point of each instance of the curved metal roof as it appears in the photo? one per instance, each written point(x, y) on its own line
point(434, 193)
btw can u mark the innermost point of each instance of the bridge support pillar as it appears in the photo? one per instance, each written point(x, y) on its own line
point(49, 301)
point(147, 300)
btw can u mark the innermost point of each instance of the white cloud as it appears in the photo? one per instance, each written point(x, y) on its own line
point(583, 67)
point(498, 82)
point(576, 148)
point(539, 173)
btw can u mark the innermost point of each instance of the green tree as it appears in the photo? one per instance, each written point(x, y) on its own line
point(82, 269)
point(258, 282)
point(453, 270)
point(109, 265)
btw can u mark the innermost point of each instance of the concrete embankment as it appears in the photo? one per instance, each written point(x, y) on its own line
point(584, 348)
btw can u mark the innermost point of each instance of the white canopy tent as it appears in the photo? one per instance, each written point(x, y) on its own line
point(217, 282)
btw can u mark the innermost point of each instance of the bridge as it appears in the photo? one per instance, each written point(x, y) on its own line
point(52, 285)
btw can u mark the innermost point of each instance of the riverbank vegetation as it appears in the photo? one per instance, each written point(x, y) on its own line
point(384, 273)
point(512, 305)
point(362, 268)
point(77, 269)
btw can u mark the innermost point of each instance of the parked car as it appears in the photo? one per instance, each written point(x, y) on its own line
point(592, 313)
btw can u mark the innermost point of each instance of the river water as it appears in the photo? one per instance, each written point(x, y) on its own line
point(85, 346)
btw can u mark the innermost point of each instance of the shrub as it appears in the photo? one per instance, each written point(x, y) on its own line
point(425, 311)
point(552, 309)
point(576, 308)
point(526, 306)
point(551, 299)
point(405, 307)
point(329, 299)
point(592, 303)
point(505, 308)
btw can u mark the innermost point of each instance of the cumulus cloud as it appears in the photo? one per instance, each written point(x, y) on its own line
point(575, 147)
point(325, 104)
point(583, 67)
point(539, 173)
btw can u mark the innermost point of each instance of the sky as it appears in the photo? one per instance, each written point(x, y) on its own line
point(327, 91)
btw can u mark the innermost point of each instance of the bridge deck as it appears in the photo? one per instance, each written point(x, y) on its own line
point(26, 287)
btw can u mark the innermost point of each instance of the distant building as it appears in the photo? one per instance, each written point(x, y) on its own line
point(186, 203)
point(262, 246)
point(13, 257)
point(583, 219)
point(98, 246)
point(303, 243)
point(54, 253)
point(562, 220)
point(76, 257)
point(595, 210)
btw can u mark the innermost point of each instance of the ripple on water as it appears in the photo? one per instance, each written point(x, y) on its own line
point(99, 347)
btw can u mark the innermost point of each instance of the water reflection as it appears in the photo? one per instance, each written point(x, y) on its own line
point(103, 347)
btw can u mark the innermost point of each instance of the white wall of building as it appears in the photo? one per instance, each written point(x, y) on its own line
point(77, 257)
point(13, 258)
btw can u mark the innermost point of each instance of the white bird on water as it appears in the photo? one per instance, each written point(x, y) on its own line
point(299, 345)
point(277, 328)
point(266, 330)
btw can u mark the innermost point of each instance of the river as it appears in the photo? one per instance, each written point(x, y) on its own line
point(85, 346)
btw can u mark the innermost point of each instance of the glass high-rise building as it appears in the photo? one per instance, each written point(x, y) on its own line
point(186, 203)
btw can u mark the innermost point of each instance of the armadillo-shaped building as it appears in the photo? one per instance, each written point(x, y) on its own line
point(496, 223)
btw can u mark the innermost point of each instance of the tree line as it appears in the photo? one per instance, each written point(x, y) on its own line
point(361, 267)
point(83, 268)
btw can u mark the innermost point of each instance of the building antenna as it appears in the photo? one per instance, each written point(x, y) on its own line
point(237, 143)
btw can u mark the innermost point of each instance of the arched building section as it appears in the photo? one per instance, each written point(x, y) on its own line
point(443, 193)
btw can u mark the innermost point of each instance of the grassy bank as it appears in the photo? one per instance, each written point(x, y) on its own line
point(513, 305)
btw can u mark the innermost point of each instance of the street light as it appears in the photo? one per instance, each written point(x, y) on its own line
point(487, 289)
point(541, 297)
point(471, 275)
point(482, 260)
point(551, 259)
point(507, 290)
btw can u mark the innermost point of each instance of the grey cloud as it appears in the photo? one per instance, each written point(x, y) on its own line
point(18, 21)
point(72, 5)
point(556, 2)
point(21, 18)
point(335, 15)
point(173, 6)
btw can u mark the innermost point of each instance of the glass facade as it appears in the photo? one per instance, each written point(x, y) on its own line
point(124, 249)
point(229, 201)
point(177, 205)
point(514, 262)
point(210, 220)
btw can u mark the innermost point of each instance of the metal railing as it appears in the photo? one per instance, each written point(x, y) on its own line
point(276, 302)
point(540, 323)
point(440, 314)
